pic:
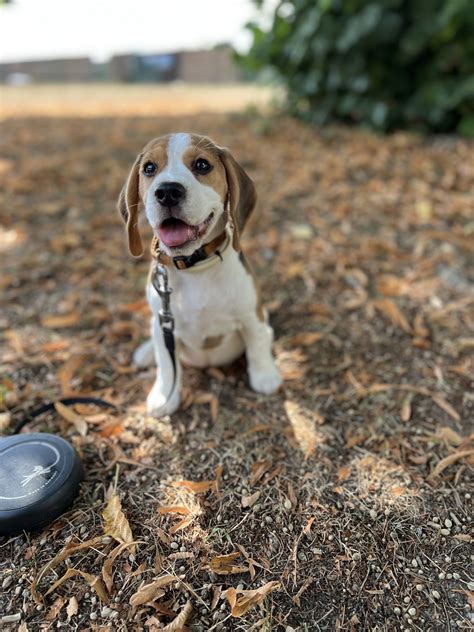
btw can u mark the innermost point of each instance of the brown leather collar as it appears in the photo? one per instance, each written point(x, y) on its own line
point(182, 263)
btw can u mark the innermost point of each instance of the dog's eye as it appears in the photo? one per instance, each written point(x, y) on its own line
point(201, 166)
point(149, 168)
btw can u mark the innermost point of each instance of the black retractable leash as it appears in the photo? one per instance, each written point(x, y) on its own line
point(39, 473)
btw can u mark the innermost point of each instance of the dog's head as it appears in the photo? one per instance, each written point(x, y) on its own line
point(190, 188)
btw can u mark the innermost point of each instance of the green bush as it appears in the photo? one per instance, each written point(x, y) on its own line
point(387, 64)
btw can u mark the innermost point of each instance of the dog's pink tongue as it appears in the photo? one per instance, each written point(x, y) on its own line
point(175, 234)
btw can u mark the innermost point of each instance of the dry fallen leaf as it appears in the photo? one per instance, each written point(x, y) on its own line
point(69, 415)
point(309, 524)
point(405, 413)
point(446, 406)
point(123, 329)
point(57, 345)
point(294, 269)
point(292, 497)
point(153, 624)
point(224, 564)
point(303, 426)
point(464, 537)
point(5, 419)
point(449, 460)
point(68, 370)
point(390, 285)
point(181, 524)
point(240, 605)
point(196, 487)
point(112, 429)
point(208, 398)
point(391, 311)
point(216, 595)
point(107, 574)
point(297, 598)
point(218, 472)
point(180, 555)
point(163, 536)
point(174, 509)
point(356, 438)
point(258, 470)
point(57, 321)
point(249, 501)
point(93, 581)
point(55, 609)
point(343, 473)
point(177, 625)
point(420, 330)
point(72, 607)
point(449, 436)
point(140, 306)
point(258, 428)
point(15, 341)
point(151, 591)
point(65, 553)
point(116, 524)
point(306, 339)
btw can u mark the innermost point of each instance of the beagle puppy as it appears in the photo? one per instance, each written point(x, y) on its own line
point(197, 199)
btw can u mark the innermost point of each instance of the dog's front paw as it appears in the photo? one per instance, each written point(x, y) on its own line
point(157, 404)
point(267, 381)
point(144, 356)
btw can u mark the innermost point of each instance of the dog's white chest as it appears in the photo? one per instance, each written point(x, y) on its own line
point(210, 307)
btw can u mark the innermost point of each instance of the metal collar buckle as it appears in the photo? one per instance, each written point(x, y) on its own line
point(191, 260)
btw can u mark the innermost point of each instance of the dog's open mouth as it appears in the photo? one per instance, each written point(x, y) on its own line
point(175, 233)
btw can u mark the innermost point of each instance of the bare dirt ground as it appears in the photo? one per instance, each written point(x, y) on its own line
point(135, 100)
point(341, 503)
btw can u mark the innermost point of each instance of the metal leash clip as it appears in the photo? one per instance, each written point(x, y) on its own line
point(161, 285)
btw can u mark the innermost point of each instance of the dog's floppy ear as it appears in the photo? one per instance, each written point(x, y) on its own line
point(128, 206)
point(240, 192)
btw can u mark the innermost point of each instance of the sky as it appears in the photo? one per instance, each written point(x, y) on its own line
point(48, 29)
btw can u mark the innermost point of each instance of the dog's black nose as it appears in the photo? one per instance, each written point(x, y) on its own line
point(170, 193)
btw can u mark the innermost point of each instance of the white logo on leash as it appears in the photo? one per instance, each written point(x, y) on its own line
point(38, 471)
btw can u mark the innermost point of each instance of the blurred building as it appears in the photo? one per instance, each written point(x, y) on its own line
point(143, 68)
point(208, 66)
point(202, 66)
point(50, 70)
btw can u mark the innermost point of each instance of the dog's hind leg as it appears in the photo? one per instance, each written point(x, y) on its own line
point(144, 355)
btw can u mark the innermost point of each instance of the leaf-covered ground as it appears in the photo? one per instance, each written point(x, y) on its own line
point(343, 502)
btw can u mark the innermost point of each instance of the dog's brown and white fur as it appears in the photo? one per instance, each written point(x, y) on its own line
point(215, 304)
